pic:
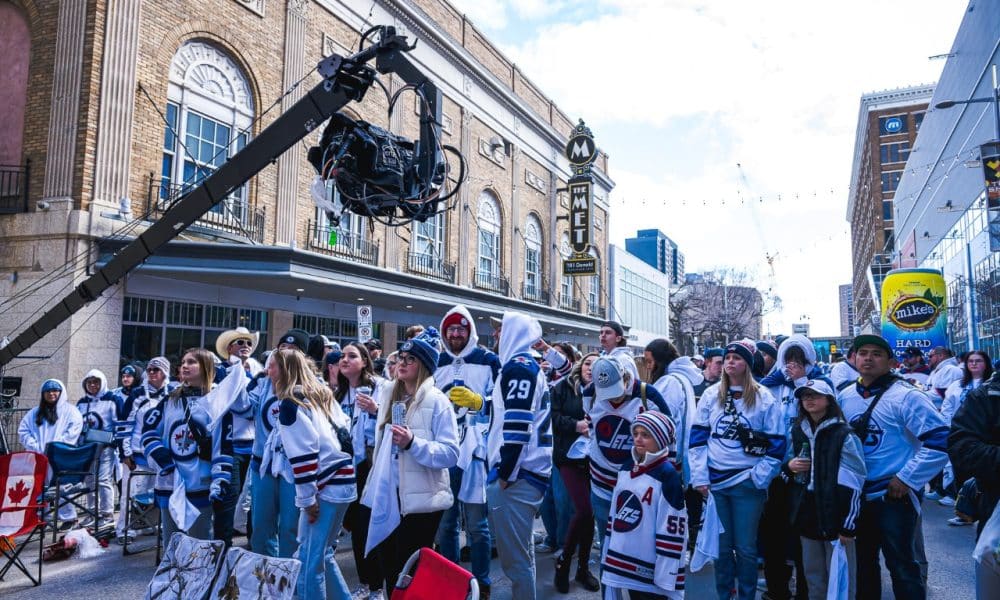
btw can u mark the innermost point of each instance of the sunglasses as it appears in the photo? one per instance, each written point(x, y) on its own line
point(152, 370)
point(242, 343)
point(407, 359)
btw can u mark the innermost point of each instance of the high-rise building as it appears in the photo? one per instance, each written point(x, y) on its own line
point(888, 123)
point(657, 250)
point(846, 310)
point(942, 217)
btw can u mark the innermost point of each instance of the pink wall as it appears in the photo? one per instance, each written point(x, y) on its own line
point(15, 54)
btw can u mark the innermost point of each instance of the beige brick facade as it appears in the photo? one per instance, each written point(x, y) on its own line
point(523, 171)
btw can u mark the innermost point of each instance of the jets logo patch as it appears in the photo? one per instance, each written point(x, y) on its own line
point(182, 444)
point(726, 429)
point(614, 438)
point(628, 512)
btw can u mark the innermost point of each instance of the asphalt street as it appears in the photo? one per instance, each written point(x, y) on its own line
point(113, 577)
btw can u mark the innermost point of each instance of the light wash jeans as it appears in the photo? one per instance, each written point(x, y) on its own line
point(739, 508)
point(512, 516)
point(816, 555)
point(275, 517)
point(320, 576)
point(477, 530)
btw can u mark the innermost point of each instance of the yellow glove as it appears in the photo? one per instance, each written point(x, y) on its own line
point(465, 398)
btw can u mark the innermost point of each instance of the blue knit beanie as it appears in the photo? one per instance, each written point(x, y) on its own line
point(51, 385)
point(426, 348)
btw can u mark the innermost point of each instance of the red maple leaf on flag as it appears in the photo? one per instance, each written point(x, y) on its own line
point(18, 493)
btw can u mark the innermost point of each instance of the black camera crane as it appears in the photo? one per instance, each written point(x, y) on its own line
point(345, 79)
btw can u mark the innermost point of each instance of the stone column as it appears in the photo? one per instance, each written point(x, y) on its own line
point(515, 270)
point(65, 107)
point(118, 84)
point(467, 234)
point(288, 163)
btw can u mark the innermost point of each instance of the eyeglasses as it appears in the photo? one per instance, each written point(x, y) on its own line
point(152, 370)
point(242, 343)
point(407, 359)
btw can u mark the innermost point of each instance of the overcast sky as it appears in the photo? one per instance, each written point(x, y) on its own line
point(730, 123)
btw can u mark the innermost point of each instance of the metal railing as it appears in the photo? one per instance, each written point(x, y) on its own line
point(430, 266)
point(534, 292)
point(346, 245)
point(233, 217)
point(568, 302)
point(595, 310)
point(14, 188)
point(10, 420)
point(494, 282)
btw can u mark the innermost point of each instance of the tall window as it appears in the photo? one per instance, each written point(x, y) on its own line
point(351, 231)
point(489, 236)
point(595, 284)
point(428, 238)
point(566, 281)
point(532, 257)
point(209, 106)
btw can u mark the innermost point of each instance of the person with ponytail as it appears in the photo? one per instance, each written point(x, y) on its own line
point(321, 468)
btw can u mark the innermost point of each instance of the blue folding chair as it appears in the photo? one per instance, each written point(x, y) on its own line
point(74, 477)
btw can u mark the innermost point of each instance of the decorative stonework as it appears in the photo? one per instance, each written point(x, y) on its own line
point(494, 153)
point(299, 7)
point(203, 66)
point(254, 6)
point(598, 223)
point(332, 46)
point(447, 123)
point(467, 85)
point(535, 181)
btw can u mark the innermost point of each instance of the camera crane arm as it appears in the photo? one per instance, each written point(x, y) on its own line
point(345, 79)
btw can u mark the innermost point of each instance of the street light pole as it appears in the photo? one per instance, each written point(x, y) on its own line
point(995, 99)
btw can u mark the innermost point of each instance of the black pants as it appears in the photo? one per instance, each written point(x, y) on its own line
point(356, 521)
point(224, 511)
point(778, 543)
point(695, 504)
point(415, 531)
point(894, 528)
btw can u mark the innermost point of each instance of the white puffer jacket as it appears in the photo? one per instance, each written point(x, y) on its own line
point(424, 483)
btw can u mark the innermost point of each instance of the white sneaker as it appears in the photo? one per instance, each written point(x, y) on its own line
point(932, 495)
point(376, 595)
point(958, 522)
point(360, 593)
point(946, 501)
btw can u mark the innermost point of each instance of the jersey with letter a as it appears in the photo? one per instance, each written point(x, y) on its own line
point(647, 529)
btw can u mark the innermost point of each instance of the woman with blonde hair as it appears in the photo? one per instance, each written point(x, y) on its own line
point(312, 429)
point(736, 448)
point(426, 441)
point(176, 437)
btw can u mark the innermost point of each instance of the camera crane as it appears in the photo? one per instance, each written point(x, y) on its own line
point(345, 79)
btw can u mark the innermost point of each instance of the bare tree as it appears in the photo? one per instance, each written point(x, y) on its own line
point(717, 307)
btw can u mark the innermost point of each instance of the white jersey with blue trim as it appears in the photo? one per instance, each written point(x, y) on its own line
point(520, 433)
point(907, 437)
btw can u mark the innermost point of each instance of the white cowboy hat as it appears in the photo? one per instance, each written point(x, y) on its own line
point(228, 337)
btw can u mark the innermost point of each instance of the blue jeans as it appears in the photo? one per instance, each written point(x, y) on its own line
point(556, 511)
point(739, 508)
point(601, 508)
point(477, 529)
point(320, 576)
point(892, 527)
point(512, 514)
point(275, 517)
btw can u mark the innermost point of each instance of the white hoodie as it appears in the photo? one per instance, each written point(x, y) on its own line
point(677, 389)
point(66, 429)
point(100, 410)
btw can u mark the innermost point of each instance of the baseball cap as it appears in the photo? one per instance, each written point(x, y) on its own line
point(871, 340)
point(608, 379)
point(817, 385)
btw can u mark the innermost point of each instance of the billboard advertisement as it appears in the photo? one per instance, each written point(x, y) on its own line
point(914, 310)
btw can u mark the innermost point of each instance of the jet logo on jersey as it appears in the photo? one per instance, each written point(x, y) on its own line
point(270, 412)
point(93, 421)
point(628, 512)
point(726, 429)
point(874, 435)
point(182, 443)
point(614, 438)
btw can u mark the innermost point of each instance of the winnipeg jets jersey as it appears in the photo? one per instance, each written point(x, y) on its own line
point(520, 435)
point(647, 506)
point(907, 437)
point(610, 442)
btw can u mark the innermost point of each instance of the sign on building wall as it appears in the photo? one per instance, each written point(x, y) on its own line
point(914, 310)
point(581, 151)
point(364, 323)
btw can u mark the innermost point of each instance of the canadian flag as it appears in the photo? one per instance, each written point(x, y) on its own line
point(21, 483)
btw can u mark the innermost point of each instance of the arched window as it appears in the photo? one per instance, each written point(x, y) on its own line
point(594, 298)
point(488, 223)
point(209, 107)
point(15, 54)
point(533, 258)
point(565, 281)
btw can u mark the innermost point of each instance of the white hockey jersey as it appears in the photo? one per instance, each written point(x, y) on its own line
point(646, 540)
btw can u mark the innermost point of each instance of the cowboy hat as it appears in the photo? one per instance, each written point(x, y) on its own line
point(228, 337)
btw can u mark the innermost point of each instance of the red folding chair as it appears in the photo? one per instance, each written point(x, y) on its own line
point(22, 481)
point(428, 575)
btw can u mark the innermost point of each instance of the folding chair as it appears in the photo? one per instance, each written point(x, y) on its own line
point(434, 576)
point(22, 476)
point(141, 512)
point(246, 575)
point(71, 465)
point(188, 569)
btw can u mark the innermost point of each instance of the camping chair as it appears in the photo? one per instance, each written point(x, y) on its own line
point(141, 513)
point(188, 568)
point(434, 576)
point(22, 480)
point(249, 576)
point(71, 466)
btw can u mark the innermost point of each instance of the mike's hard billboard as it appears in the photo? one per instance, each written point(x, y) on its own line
point(914, 310)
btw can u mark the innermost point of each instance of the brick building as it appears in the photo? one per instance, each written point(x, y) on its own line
point(117, 107)
point(888, 123)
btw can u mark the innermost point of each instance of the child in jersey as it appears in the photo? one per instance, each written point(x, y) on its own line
point(643, 554)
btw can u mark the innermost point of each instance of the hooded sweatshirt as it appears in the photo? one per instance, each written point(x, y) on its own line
point(133, 413)
point(473, 367)
point(100, 410)
point(519, 441)
point(782, 388)
point(66, 429)
point(677, 389)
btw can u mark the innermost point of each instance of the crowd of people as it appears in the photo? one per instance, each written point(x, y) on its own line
point(748, 454)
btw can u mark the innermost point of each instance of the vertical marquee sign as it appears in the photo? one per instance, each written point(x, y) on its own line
point(581, 151)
